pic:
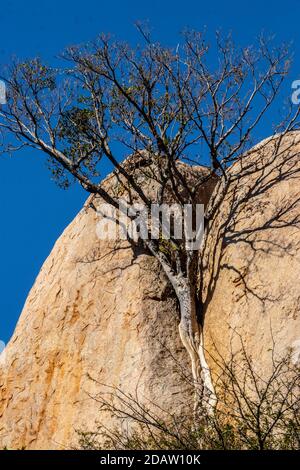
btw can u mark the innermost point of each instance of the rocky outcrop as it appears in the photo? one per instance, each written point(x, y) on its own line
point(253, 258)
point(97, 309)
point(100, 309)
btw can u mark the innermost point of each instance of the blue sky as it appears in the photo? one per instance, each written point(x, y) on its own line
point(34, 211)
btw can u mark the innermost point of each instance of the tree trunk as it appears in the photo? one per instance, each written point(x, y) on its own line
point(191, 334)
point(190, 328)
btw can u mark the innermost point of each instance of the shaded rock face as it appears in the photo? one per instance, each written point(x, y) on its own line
point(97, 308)
point(253, 258)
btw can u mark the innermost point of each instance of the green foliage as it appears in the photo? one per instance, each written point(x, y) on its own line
point(75, 122)
point(39, 76)
point(76, 130)
point(62, 178)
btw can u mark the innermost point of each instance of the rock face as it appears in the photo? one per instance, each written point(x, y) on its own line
point(253, 258)
point(96, 309)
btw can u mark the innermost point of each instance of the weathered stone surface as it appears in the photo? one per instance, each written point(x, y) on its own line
point(93, 309)
point(253, 268)
point(96, 308)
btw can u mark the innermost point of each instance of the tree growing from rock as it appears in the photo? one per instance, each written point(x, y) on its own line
point(193, 103)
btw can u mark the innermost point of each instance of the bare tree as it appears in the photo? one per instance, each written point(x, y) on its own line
point(163, 105)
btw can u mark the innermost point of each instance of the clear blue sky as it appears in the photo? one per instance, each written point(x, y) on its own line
point(34, 211)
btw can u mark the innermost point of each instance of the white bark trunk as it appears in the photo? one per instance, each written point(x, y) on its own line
point(191, 334)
